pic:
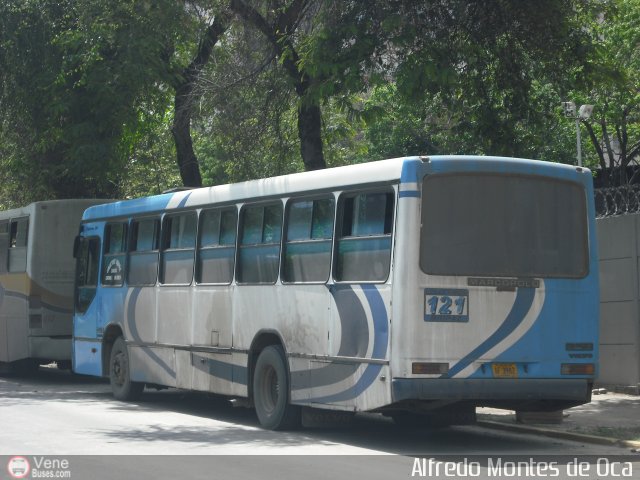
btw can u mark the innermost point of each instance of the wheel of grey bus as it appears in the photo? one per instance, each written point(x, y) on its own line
point(271, 391)
point(120, 374)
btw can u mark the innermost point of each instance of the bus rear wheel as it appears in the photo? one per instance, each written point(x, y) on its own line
point(120, 373)
point(271, 391)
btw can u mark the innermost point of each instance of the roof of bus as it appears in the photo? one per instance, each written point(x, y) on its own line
point(392, 170)
point(57, 204)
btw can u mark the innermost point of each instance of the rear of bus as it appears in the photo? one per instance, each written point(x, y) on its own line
point(496, 286)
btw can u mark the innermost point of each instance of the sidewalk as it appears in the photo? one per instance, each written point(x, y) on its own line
point(610, 419)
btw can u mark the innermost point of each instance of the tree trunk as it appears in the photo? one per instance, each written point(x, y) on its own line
point(184, 101)
point(280, 35)
point(181, 130)
point(310, 134)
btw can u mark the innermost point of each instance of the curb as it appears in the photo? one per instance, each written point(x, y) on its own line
point(548, 432)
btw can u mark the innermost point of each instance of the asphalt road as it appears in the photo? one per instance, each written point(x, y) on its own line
point(173, 434)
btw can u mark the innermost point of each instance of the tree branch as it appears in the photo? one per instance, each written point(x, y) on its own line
point(288, 19)
point(607, 141)
point(205, 47)
point(279, 36)
point(596, 145)
point(251, 15)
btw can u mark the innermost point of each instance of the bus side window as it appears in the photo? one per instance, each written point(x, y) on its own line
point(259, 252)
point(178, 246)
point(18, 245)
point(309, 233)
point(87, 272)
point(217, 246)
point(143, 252)
point(364, 237)
point(4, 246)
point(115, 254)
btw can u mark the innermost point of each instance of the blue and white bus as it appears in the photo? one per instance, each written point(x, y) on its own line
point(419, 287)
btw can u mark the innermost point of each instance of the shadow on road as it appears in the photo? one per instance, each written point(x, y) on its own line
point(240, 425)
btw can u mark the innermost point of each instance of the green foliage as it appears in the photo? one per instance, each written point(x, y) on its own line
point(245, 124)
point(610, 81)
point(75, 76)
point(87, 87)
point(150, 168)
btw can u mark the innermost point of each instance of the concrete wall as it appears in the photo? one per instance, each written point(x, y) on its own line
point(619, 251)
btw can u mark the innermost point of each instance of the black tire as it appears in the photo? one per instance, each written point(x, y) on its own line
point(120, 375)
point(271, 391)
point(64, 364)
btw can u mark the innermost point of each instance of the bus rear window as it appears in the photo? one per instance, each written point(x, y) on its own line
point(503, 225)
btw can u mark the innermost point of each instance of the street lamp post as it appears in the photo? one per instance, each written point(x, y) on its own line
point(584, 112)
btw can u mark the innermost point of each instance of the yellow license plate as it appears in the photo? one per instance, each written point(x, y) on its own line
point(505, 370)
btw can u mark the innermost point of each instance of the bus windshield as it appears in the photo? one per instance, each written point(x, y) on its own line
point(503, 225)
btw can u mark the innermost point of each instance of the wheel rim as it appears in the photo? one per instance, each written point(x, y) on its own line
point(119, 368)
point(270, 389)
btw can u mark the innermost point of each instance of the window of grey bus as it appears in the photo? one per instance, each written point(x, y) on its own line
point(308, 239)
point(259, 245)
point(178, 248)
point(363, 237)
point(143, 252)
point(216, 245)
point(503, 225)
point(18, 241)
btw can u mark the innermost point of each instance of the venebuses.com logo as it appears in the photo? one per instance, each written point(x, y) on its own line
point(18, 467)
point(38, 467)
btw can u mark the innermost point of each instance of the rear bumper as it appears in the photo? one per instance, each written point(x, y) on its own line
point(50, 348)
point(491, 391)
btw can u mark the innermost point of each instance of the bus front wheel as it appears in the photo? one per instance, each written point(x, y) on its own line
point(271, 391)
point(120, 373)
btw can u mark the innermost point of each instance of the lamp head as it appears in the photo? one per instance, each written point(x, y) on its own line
point(585, 111)
point(569, 109)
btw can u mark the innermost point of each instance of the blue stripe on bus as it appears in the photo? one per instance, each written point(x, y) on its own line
point(133, 328)
point(411, 170)
point(409, 193)
point(354, 342)
point(183, 202)
point(380, 321)
point(127, 208)
point(224, 370)
point(354, 337)
point(380, 343)
point(521, 305)
point(574, 305)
